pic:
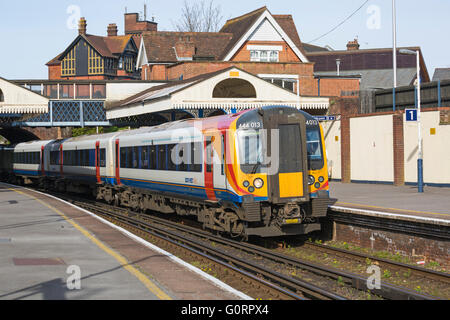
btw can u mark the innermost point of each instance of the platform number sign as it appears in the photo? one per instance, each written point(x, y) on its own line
point(411, 114)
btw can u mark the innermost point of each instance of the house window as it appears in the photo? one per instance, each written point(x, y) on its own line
point(69, 62)
point(264, 55)
point(95, 62)
point(286, 83)
point(2, 97)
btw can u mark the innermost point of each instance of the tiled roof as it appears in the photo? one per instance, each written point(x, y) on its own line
point(159, 45)
point(106, 46)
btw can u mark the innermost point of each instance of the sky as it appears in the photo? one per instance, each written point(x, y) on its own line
point(34, 32)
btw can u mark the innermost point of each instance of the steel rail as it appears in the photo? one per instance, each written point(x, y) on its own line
point(209, 252)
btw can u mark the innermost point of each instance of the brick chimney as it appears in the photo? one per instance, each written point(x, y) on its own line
point(133, 25)
point(82, 25)
point(185, 49)
point(112, 30)
point(353, 45)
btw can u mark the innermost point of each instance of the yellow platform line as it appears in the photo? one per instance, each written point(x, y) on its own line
point(402, 210)
point(123, 261)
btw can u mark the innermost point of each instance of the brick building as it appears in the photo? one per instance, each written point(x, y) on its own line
point(91, 57)
point(259, 42)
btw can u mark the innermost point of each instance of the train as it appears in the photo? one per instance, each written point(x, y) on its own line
point(259, 172)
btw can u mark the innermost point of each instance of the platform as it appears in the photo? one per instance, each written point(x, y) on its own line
point(399, 202)
point(45, 243)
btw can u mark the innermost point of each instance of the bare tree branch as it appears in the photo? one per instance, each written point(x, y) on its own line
point(199, 17)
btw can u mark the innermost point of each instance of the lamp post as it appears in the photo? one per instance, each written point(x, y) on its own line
point(419, 130)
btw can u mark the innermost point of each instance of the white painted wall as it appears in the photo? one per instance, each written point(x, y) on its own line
point(265, 32)
point(331, 130)
point(371, 148)
point(436, 149)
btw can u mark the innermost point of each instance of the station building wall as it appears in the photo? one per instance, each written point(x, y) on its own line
point(436, 149)
point(332, 137)
point(383, 148)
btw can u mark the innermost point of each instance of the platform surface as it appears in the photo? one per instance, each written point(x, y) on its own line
point(44, 243)
point(434, 203)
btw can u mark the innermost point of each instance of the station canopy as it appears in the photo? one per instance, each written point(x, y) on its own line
point(231, 89)
point(15, 99)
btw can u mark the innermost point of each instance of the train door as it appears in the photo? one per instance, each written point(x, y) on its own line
point(117, 164)
point(289, 182)
point(219, 168)
point(209, 167)
point(61, 159)
point(97, 161)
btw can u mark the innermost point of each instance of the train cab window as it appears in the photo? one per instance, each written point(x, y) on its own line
point(314, 148)
point(250, 149)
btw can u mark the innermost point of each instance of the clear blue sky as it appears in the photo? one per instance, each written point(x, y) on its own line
point(33, 32)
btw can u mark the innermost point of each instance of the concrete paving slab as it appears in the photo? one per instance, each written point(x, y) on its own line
point(402, 200)
point(37, 238)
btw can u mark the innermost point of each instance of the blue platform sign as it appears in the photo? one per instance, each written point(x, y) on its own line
point(411, 114)
point(325, 118)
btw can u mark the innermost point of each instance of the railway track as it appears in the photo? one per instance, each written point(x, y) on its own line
point(216, 249)
point(212, 247)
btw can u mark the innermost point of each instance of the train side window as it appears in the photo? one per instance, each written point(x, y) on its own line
point(103, 157)
point(144, 157)
point(184, 154)
point(123, 157)
point(129, 157)
point(171, 149)
point(152, 157)
point(162, 157)
point(135, 157)
point(196, 157)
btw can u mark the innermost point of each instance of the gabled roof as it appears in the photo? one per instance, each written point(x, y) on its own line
point(441, 74)
point(239, 26)
point(242, 27)
point(106, 46)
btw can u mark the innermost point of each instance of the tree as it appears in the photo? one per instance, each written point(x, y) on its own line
point(200, 16)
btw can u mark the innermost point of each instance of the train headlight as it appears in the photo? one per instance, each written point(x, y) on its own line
point(321, 179)
point(317, 185)
point(311, 180)
point(246, 183)
point(251, 189)
point(258, 183)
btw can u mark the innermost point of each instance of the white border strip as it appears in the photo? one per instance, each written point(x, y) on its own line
point(204, 275)
point(391, 215)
